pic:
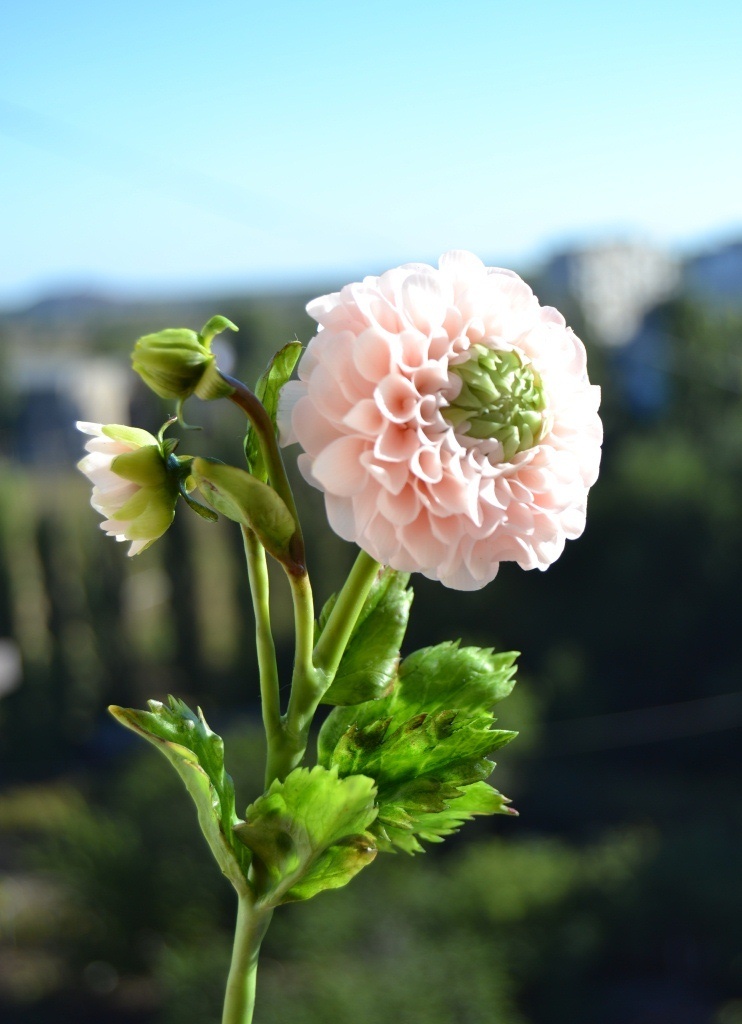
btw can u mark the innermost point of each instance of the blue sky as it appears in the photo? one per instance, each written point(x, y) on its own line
point(169, 147)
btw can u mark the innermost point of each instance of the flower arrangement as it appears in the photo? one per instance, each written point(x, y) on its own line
point(450, 423)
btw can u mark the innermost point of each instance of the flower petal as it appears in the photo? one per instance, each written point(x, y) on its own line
point(338, 468)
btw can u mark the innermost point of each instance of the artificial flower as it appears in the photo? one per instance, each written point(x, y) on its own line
point(132, 486)
point(449, 420)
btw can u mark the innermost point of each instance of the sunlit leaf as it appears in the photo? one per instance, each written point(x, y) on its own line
point(426, 743)
point(447, 676)
point(268, 391)
point(369, 663)
point(309, 833)
point(197, 754)
point(248, 501)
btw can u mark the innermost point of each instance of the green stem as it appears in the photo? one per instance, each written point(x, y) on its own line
point(307, 684)
point(239, 999)
point(257, 571)
point(261, 421)
point(313, 672)
point(290, 739)
point(331, 645)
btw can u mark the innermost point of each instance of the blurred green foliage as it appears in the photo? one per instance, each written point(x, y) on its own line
point(139, 902)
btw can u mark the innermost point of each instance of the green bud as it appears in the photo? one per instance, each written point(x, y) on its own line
point(501, 398)
point(175, 363)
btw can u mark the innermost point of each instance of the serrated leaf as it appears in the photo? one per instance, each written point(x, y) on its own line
point(340, 863)
point(420, 768)
point(309, 833)
point(446, 746)
point(451, 676)
point(369, 663)
point(423, 752)
point(399, 828)
point(446, 676)
point(268, 390)
point(197, 754)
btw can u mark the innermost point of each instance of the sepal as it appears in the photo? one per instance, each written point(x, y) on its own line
point(211, 385)
point(195, 506)
point(309, 833)
point(145, 467)
point(197, 754)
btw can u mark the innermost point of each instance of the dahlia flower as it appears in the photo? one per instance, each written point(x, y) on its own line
point(449, 420)
point(132, 486)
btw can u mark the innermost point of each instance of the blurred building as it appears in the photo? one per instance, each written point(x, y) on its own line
point(615, 285)
point(615, 288)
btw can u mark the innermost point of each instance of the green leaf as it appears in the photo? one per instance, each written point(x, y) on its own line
point(445, 745)
point(246, 500)
point(398, 828)
point(447, 676)
point(197, 754)
point(451, 676)
point(426, 744)
point(268, 391)
point(369, 664)
point(309, 833)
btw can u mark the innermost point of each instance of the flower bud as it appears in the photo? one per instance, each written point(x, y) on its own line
point(133, 484)
point(177, 363)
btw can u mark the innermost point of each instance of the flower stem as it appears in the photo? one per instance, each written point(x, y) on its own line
point(307, 684)
point(261, 421)
point(239, 999)
point(343, 617)
point(257, 571)
point(314, 671)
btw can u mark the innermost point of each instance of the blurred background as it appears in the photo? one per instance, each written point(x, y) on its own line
point(160, 164)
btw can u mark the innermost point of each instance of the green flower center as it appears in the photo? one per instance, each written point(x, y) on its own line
point(501, 397)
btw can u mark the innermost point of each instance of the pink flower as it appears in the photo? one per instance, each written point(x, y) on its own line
point(449, 420)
